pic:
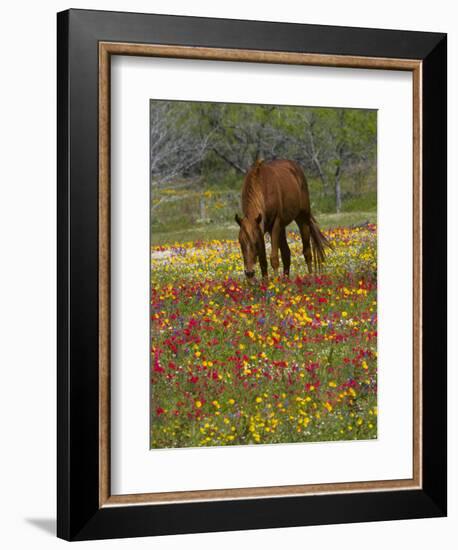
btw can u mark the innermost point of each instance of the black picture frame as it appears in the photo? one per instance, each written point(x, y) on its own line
point(79, 515)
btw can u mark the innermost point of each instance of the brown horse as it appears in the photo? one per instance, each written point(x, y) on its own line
point(273, 195)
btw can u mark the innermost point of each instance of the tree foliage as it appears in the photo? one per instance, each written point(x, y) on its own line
point(198, 142)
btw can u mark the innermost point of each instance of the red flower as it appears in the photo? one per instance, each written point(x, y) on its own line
point(159, 411)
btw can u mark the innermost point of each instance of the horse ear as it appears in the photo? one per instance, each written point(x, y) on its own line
point(238, 219)
point(258, 219)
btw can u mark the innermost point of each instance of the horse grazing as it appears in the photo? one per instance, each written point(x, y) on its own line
point(273, 195)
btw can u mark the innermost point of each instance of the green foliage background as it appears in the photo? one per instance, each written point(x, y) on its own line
point(200, 152)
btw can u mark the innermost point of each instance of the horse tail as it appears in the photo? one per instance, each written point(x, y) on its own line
point(319, 244)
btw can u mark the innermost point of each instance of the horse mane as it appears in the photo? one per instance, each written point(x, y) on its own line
point(252, 196)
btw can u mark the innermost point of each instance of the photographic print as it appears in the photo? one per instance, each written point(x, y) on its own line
point(263, 274)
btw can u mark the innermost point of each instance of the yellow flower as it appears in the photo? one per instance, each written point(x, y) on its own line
point(231, 401)
point(198, 404)
point(258, 399)
point(344, 313)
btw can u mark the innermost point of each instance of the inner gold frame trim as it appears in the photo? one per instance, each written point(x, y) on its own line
point(106, 50)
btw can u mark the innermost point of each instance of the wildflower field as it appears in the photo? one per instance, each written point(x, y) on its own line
point(291, 360)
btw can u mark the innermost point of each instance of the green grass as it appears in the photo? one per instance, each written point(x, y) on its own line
point(221, 231)
point(207, 212)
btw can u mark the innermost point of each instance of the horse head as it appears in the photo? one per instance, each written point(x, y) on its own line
point(251, 241)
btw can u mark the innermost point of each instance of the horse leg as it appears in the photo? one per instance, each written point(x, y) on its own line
point(285, 252)
point(304, 230)
point(263, 261)
point(275, 243)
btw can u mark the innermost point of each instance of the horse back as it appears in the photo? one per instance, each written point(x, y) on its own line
point(285, 189)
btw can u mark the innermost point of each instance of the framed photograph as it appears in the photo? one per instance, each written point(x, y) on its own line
point(251, 274)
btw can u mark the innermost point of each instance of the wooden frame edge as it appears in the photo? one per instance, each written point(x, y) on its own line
point(104, 276)
point(257, 56)
point(260, 492)
point(106, 49)
point(417, 77)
